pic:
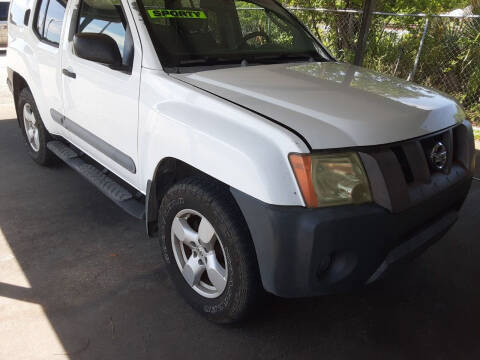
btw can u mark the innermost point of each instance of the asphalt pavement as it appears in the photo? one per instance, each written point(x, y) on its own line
point(79, 279)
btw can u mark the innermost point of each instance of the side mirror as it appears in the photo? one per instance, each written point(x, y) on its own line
point(96, 47)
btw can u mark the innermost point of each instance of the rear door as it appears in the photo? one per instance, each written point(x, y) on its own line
point(100, 103)
point(47, 20)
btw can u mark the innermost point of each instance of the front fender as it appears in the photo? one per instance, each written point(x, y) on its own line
point(231, 144)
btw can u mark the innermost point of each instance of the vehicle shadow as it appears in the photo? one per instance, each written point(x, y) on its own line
point(104, 289)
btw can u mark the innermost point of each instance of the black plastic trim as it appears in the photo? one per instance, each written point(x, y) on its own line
point(100, 178)
point(26, 17)
point(305, 252)
point(151, 213)
point(69, 73)
point(433, 232)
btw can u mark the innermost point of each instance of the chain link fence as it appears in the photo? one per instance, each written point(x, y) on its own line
point(437, 50)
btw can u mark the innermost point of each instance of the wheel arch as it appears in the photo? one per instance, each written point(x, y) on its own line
point(18, 84)
point(168, 171)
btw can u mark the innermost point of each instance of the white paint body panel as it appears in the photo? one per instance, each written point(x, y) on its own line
point(151, 116)
point(235, 146)
point(334, 105)
point(38, 63)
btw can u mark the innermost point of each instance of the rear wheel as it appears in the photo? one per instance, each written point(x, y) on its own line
point(34, 132)
point(208, 250)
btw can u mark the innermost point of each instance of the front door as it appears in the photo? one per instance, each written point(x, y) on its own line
point(101, 103)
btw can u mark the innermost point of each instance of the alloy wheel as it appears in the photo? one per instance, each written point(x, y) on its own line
point(31, 127)
point(199, 253)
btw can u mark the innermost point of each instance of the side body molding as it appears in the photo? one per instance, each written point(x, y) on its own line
point(110, 151)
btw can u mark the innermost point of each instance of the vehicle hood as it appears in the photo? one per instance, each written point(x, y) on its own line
point(333, 105)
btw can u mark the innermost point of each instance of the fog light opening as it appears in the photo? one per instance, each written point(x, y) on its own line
point(324, 265)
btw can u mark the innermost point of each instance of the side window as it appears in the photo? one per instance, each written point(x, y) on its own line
point(49, 20)
point(107, 17)
point(54, 20)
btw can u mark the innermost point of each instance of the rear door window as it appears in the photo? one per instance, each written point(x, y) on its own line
point(49, 20)
point(54, 21)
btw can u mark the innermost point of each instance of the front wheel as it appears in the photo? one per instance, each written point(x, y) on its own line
point(208, 250)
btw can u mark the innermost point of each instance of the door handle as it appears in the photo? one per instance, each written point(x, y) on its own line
point(69, 73)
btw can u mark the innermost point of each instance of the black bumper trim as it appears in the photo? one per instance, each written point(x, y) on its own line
point(305, 252)
point(417, 243)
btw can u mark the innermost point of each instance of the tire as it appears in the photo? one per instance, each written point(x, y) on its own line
point(191, 202)
point(27, 111)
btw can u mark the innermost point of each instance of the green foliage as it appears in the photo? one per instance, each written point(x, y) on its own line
point(476, 134)
point(473, 114)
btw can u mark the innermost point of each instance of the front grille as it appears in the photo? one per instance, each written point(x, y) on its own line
point(403, 174)
point(403, 161)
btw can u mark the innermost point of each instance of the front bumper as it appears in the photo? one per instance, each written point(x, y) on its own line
point(305, 252)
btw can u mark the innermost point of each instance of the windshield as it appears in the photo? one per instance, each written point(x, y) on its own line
point(212, 32)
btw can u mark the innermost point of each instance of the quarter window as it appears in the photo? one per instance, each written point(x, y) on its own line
point(49, 20)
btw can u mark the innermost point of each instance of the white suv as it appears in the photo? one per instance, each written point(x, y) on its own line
point(259, 161)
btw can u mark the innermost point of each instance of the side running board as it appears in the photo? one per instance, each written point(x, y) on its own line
point(107, 185)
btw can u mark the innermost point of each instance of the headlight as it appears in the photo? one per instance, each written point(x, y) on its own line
point(331, 179)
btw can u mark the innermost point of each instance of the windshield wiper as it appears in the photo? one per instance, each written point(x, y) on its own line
point(285, 57)
point(209, 60)
point(245, 60)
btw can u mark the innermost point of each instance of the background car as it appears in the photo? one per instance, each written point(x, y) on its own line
point(4, 5)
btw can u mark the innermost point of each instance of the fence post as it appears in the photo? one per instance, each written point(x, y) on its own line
point(368, 9)
point(411, 76)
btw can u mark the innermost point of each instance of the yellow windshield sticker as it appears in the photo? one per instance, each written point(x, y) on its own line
point(177, 14)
